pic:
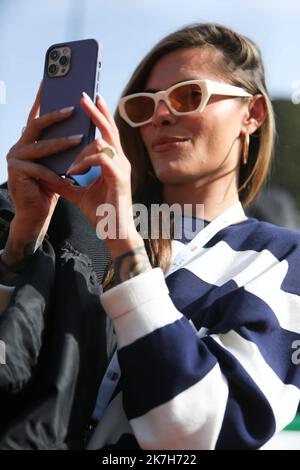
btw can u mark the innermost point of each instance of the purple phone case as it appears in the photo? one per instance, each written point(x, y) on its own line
point(62, 92)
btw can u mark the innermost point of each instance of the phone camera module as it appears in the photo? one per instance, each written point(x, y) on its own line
point(54, 55)
point(52, 69)
point(59, 61)
point(63, 60)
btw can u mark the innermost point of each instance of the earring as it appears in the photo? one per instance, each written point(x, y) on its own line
point(246, 148)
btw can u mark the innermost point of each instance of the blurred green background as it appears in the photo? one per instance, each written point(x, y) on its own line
point(285, 171)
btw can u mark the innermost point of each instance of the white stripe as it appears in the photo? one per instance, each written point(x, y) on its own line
point(113, 424)
point(191, 420)
point(221, 264)
point(282, 398)
point(145, 319)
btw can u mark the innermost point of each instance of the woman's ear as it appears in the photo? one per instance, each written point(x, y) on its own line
point(256, 114)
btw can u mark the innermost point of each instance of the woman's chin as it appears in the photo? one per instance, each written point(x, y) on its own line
point(169, 176)
point(164, 172)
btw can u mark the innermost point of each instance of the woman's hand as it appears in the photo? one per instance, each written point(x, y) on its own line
point(33, 200)
point(112, 190)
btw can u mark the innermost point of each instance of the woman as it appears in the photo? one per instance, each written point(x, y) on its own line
point(206, 327)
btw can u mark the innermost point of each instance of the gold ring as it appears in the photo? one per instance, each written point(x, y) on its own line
point(109, 151)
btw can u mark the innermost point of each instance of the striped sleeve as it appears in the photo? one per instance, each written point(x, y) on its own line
point(165, 368)
point(232, 388)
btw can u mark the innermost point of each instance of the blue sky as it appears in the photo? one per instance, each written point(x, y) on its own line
point(127, 29)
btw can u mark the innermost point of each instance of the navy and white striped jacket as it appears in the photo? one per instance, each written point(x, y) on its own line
point(209, 354)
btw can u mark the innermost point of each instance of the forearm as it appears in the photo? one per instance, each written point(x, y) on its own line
point(22, 242)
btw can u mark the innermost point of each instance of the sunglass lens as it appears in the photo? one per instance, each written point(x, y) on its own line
point(139, 109)
point(185, 98)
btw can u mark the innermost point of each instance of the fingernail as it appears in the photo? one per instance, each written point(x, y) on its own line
point(87, 97)
point(71, 167)
point(67, 110)
point(100, 98)
point(75, 137)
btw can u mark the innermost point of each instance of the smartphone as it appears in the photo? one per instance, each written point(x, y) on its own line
point(70, 68)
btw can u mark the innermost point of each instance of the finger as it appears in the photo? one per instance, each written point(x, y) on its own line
point(98, 119)
point(102, 106)
point(35, 110)
point(94, 147)
point(41, 173)
point(44, 148)
point(34, 128)
point(99, 159)
point(65, 187)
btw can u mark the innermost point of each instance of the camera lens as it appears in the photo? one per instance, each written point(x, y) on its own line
point(63, 60)
point(54, 54)
point(52, 69)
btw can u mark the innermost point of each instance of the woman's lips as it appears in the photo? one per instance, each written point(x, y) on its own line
point(164, 147)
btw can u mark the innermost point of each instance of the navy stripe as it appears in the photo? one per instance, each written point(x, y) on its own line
point(190, 294)
point(249, 420)
point(219, 308)
point(255, 235)
point(185, 288)
point(173, 359)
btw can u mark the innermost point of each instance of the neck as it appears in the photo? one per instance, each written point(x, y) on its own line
point(214, 196)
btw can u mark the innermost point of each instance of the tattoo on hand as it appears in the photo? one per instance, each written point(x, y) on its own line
point(131, 264)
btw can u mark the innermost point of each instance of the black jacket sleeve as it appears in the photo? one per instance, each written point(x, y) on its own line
point(54, 330)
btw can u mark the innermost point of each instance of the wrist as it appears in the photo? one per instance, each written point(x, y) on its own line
point(21, 243)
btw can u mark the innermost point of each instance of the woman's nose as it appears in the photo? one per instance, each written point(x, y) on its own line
point(163, 115)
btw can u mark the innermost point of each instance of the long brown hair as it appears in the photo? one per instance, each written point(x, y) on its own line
point(240, 60)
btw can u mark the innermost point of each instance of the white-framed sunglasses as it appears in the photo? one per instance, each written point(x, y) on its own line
point(183, 98)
